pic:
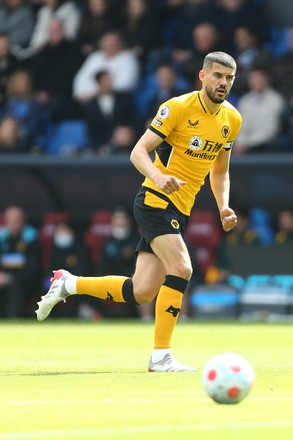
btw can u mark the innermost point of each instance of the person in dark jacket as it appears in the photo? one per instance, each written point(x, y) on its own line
point(20, 263)
point(53, 69)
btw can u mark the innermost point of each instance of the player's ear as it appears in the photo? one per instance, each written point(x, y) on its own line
point(201, 75)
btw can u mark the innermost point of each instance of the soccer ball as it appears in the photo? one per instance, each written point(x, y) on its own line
point(227, 378)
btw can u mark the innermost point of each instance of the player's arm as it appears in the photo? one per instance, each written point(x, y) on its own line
point(140, 157)
point(220, 184)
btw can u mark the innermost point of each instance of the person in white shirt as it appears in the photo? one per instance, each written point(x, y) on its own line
point(112, 56)
point(63, 10)
point(263, 110)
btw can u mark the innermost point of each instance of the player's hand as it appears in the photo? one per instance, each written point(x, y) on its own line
point(228, 219)
point(169, 184)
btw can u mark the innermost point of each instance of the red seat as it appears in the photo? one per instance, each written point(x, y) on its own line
point(50, 220)
point(204, 234)
point(99, 230)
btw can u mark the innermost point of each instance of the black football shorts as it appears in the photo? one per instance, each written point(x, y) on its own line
point(156, 215)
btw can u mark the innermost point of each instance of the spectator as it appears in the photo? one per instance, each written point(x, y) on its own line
point(167, 85)
point(97, 19)
point(249, 51)
point(35, 5)
point(234, 13)
point(284, 233)
point(243, 232)
point(16, 21)
point(242, 235)
point(112, 56)
point(204, 39)
point(11, 141)
point(22, 105)
point(105, 111)
point(263, 110)
point(140, 28)
point(63, 10)
point(193, 13)
point(68, 251)
point(283, 76)
point(20, 258)
point(122, 140)
point(8, 64)
point(53, 68)
point(118, 257)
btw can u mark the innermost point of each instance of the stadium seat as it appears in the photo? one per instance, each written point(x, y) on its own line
point(265, 300)
point(279, 41)
point(283, 280)
point(214, 301)
point(236, 281)
point(204, 234)
point(258, 280)
point(50, 220)
point(99, 230)
point(260, 223)
point(67, 137)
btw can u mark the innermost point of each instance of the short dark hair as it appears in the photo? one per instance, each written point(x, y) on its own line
point(99, 75)
point(222, 58)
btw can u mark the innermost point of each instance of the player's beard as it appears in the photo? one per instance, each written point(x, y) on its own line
point(212, 96)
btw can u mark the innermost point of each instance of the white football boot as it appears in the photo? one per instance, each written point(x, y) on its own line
point(168, 365)
point(56, 293)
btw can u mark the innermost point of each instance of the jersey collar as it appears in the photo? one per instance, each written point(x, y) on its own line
point(204, 106)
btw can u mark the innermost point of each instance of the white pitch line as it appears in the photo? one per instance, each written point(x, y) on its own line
point(133, 400)
point(134, 430)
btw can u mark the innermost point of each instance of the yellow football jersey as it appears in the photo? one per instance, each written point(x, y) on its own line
point(193, 138)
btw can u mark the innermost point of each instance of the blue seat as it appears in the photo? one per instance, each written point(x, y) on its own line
point(260, 223)
point(67, 137)
point(214, 301)
point(279, 41)
point(236, 281)
point(283, 280)
point(258, 280)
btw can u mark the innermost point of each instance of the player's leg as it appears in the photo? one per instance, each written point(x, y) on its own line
point(146, 282)
point(172, 252)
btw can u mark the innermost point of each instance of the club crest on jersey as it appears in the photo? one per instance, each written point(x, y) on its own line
point(195, 143)
point(175, 224)
point(164, 112)
point(225, 131)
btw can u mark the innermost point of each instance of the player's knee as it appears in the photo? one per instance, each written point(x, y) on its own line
point(184, 271)
point(144, 294)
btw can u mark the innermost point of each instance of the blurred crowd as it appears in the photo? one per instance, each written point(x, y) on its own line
point(87, 76)
point(106, 245)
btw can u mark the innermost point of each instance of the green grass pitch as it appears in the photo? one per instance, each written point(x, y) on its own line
point(73, 380)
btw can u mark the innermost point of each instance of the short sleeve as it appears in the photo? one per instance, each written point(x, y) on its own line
point(166, 118)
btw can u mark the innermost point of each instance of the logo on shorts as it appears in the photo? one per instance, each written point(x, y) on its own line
point(164, 112)
point(175, 224)
point(195, 143)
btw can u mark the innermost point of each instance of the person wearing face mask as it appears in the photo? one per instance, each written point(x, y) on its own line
point(118, 256)
point(70, 252)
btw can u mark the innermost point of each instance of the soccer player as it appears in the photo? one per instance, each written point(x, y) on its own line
point(192, 136)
